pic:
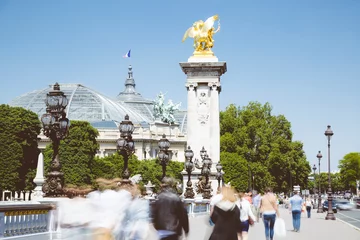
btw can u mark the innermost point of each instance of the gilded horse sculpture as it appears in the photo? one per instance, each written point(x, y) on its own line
point(202, 33)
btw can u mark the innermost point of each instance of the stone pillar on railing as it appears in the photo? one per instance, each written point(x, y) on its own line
point(39, 178)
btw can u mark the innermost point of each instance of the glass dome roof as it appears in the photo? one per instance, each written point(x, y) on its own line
point(101, 111)
point(84, 104)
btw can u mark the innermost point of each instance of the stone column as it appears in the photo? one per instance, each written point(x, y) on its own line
point(191, 112)
point(203, 126)
point(39, 178)
point(215, 121)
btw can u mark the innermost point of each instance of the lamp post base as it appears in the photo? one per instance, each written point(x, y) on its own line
point(206, 193)
point(319, 210)
point(330, 216)
point(53, 186)
point(189, 193)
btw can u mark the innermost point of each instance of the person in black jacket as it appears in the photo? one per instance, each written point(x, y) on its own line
point(169, 213)
point(226, 216)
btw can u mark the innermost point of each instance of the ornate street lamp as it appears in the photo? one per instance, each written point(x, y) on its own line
point(126, 146)
point(56, 127)
point(219, 174)
point(320, 210)
point(205, 172)
point(163, 154)
point(189, 167)
point(330, 214)
point(314, 169)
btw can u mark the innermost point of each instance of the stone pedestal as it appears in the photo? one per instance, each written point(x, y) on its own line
point(203, 87)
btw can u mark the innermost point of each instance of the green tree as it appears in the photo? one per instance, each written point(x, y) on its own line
point(21, 126)
point(262, 150)
point(112, 166)
point(77, 152)
point(350, 170)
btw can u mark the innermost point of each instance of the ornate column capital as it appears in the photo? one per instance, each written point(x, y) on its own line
point(191, 86)
point(215, 86)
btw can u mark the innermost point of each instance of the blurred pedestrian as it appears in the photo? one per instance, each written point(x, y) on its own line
point(169, 214)
point(247, 217)
point(269, 210)
point(296, 204)
point(226, 216)
point(308, 204)
point(256, 204)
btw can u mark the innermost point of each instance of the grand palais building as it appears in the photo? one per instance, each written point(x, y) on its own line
point(105, 113)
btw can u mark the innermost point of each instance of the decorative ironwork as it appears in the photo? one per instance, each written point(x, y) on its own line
point(163, 154)
point(219, 174)
point(189, 167)
point(56, 127)
point(205, 173)
point(125, 145)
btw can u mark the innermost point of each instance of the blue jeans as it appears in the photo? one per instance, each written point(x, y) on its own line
point(269, 221)
point(296, 214)
point(308, 210)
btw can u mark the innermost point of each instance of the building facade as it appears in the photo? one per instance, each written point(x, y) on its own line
point(105, 114)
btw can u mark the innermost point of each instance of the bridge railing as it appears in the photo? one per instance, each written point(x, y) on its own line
point(17, 220)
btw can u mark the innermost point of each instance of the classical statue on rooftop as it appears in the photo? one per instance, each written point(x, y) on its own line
point(202, 33)
point(165, 112)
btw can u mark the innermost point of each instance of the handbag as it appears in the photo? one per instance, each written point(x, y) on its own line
point(280, 228)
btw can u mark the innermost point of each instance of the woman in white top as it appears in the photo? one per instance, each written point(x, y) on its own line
point(308, 204)
point(245, 213)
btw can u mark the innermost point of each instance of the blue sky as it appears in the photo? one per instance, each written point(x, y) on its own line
point(301, 56)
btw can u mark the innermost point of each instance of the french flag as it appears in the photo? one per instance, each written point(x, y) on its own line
point(127, 55)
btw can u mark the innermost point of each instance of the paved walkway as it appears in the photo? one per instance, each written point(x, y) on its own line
point(313, 228)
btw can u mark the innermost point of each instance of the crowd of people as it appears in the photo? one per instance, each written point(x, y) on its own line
point(120, 213)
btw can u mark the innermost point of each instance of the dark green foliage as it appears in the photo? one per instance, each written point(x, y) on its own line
point(112, 166)
point(350, 170)
point(254, 139)
point(19, 129)
point(76, 153)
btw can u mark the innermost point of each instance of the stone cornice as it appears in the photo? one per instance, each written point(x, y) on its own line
point(203, 69)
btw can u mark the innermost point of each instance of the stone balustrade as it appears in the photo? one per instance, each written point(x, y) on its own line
point(25, 219)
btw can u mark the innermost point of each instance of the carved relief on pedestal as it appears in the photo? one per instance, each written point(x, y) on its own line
point(203, 108)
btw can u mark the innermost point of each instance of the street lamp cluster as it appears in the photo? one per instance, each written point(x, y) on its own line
point(189, 167)
point(163, 154)
point(126, 146)
point(330, 214)
point(56, 127)
point(205, 168)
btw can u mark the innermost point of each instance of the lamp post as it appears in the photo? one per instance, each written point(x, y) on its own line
point(163, 154)
point(320, 210)
point(219, 174)
point(126, 146)
point(330, 214)
point(56, 127)
point(314, 169)
point(253, 182)
point(189, 167)
point(205, 171)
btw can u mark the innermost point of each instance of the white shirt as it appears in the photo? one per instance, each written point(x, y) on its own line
point(215, 199)
point(245, 210)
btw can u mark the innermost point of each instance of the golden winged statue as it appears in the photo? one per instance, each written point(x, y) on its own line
point(202, 33)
